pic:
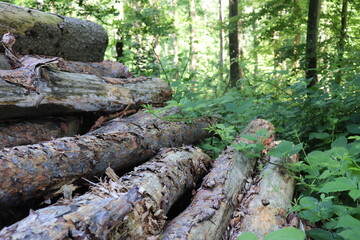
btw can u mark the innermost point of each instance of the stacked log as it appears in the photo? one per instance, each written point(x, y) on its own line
point(49, 34)
point(32, 170)
point(207, 216)
point(131, 208)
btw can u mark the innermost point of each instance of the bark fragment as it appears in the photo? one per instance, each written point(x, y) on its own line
point(132, 208)
point(213, 203)
point(32, 170)
point(33, 131)
point(49, 34)
point(264, 208)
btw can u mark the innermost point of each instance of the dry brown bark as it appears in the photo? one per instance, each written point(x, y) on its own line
point(30, 171)
point(23, 132)
point(133, 207)
point(62, 92)
point(264, 207)
point(214, 202)
point(49, 34)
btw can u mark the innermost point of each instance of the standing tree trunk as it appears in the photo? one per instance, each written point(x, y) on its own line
point(233, 43)
point(221, 40)
point(341, 44)
point(297, 38)
point(192, 16)
point(311, 42)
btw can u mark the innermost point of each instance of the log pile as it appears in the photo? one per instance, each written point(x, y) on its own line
point(49, 142)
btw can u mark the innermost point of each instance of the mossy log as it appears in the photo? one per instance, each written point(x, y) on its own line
point(33, 170)
point(59, 93)
point(266, 211)
point(133, 207)
point(24, 132)
point(210, 210)
point(49, 34)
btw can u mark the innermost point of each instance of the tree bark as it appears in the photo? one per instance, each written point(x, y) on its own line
point(265, 211)
point(311, 42)
point(207, 216)
point(4, 62)
point(233, 43)
point(221, 41)
point(192, 16)
point(33, 170)
point(33, 131)
point(64, 93)
point(342, 39)
point(53, 35)
point(133, 207)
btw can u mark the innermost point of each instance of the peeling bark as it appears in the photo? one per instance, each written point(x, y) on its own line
point(132, 208)
point(49, 34)
point(62, 92)
point(32, 170)
point(34, 131)
point(214, 202)
point(266, 209)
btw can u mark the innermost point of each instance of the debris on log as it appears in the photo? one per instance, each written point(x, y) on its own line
point(207, 216)
point(32, 170)
point(264, 207)
point(24, 132)
point(132, 208)
point(59, 93)
point(49, 34)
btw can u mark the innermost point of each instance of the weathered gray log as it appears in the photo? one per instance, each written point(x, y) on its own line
point(214, 202)
point(29, 171)
point(65, 92)
point(132, 208)
point(266, 212)
point(105, 69)
point(24, 132)
point(49, 34)
point(4, 62)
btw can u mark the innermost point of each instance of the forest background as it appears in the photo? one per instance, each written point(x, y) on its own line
point(293, 62)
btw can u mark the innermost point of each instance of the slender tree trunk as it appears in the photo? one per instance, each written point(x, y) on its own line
point(297, 38)
point(241, 47)
point(311, 42)
point(176, 44)
point(255, 45)
point(221, 40)
point(233, 43)
point(341, 44)
point(192, 16)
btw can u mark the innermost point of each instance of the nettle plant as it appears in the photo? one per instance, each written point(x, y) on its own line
point(331, 190)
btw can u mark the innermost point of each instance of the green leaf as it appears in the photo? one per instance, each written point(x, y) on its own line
point(285, 148)
point(250, 137)
point(350, 234)
point(319, 234)
point(338, 185)
point(348, 221)
point(354, 194)
point(286, 234)
point(317, 135)
point(353, 128)
point(247, 236)
point(339, 142)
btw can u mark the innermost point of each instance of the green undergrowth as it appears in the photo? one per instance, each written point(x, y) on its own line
point(322, 123)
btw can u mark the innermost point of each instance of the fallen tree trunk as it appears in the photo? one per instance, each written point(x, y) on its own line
point(65, 92)
point(4, 62)
point(214, 202)
point(49, 34)
point(33, 131)
point(104, 69)
point(132, 208)
point(32, 170)
point(266, 211)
